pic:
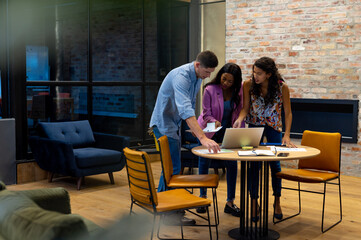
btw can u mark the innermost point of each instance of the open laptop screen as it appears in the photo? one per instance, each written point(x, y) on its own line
point(240, 137)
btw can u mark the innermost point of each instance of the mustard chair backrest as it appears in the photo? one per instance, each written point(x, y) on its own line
point(140, 177)
point(155, 139)
point(165, 158)
point(330, 146)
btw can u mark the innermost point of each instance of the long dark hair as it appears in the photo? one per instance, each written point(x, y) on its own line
point(274, 81)
point(236, 71)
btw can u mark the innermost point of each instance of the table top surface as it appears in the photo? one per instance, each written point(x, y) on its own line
point(310, 152)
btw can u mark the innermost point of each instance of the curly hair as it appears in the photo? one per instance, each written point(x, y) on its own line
point(274, 81)
point(236, 72)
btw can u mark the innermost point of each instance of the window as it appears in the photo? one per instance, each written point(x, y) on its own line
point(101, 60)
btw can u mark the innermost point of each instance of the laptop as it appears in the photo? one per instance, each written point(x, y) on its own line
point(240, 137)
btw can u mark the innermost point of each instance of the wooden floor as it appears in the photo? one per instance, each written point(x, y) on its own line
point(104, 204)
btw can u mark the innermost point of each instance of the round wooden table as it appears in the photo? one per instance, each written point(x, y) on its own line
point(248, 229)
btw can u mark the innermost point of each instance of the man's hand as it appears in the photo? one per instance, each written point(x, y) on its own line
point(197, 130)
point(211, 145)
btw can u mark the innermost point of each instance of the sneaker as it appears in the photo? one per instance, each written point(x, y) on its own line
point(188, 221)
point(177, 219)
point(234, 210)
point(180, 212)
point(201, 210)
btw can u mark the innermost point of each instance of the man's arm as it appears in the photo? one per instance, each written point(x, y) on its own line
point(196, 129)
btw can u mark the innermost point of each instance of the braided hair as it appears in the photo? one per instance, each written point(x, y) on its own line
point(236, 72)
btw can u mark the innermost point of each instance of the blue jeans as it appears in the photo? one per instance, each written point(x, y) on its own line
point(253, 172)
point(231, 166)
point(175, 152)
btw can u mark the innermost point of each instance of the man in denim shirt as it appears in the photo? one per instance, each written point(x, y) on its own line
point(176, 100)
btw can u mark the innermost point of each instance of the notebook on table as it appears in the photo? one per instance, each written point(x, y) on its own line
point(240, 137)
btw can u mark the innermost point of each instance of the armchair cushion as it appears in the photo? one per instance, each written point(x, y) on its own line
point(77, 133)
point(89, 157)
point(21, 218)
point(52, 199)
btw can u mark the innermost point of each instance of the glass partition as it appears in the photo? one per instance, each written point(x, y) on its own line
point(49, 104)
point(101, 60)
point(118, 111)
point(117, 40)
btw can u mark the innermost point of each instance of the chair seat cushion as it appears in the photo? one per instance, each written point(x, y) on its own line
point(92, 157)
point(179, 199)
point(194, 181)
point(306, 175)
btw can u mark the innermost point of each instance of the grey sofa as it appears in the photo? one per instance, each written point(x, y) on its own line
point(42, 214)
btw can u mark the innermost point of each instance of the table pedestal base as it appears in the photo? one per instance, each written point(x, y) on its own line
point(236, 234)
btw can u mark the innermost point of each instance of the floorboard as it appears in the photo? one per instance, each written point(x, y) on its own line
point(104, 203)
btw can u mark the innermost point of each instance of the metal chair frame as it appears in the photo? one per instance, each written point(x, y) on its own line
point(318, 192)
point(214, 195)
point(153, 208)
point(323, 205)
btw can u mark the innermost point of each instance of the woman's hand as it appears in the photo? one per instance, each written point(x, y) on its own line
point(237, 123)
point(218, 124)
point(287, 141)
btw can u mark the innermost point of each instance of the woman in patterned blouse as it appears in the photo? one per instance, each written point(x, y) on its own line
point(263, 97)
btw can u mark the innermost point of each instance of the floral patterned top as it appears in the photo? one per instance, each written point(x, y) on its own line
point(261, 115)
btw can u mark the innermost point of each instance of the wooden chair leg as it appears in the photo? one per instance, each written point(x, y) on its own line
point(216, 170)
point(111, 177)
point(79, 182)
point(182, 170)
point(50, 176)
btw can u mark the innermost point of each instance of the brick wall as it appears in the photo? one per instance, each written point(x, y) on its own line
point(316, 44)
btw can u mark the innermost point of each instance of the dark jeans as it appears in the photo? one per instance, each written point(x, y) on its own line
point(175, 152)
point(231, 166)
point(253, 173)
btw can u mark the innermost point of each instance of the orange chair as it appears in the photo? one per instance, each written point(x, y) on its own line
point(187, 181)
point(323, 168)
point(144, 195)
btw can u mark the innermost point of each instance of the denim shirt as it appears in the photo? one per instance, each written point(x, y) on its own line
point(176, 100)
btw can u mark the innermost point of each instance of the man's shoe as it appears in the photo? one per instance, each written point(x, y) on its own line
point(201, 210)
point(234, 210)
point(188, 221)
point(180, 212)
point(176, 220)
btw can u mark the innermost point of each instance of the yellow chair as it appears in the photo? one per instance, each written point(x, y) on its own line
point(320, 169)
point(187, 181)
point(144, 195)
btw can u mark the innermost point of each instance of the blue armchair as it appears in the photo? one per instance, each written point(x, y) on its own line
point(71, 149)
